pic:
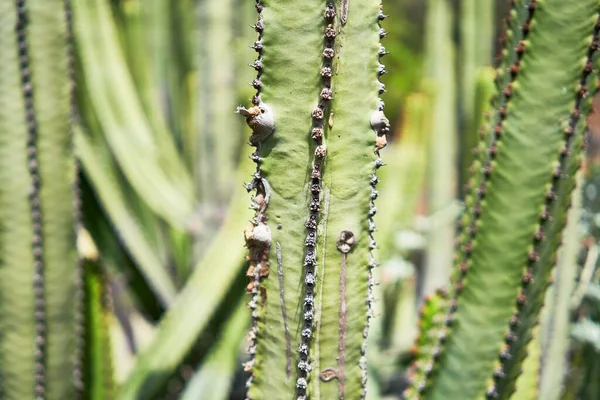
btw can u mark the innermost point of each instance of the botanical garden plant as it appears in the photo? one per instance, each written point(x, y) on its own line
point(318, 118)
point(523, 177)
point(40, 280)
point(158, 144)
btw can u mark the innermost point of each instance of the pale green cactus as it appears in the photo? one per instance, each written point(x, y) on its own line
point(39, 277)
point(318, 127)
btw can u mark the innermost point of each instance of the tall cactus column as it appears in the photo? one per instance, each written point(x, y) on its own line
point(37, 237)
point(318, 127)
point(516, 211)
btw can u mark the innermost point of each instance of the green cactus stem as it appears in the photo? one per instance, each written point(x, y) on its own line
point(476, 47)
point(38, 262)
point(316, 155)
point(442, 177)
point(555, 326)
point(430, 325)
point(98, 363)
point(521, 192)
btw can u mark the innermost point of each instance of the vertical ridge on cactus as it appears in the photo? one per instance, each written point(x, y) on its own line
point(17, 330)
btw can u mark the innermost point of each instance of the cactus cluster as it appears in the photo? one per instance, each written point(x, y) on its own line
point(158, 142)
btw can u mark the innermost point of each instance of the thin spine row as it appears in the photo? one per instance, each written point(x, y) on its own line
point(429, 322)
point(523, 299)
point(258, 251)
point(498, 81)
point(34, 202)
point(482, 145)
point(78, 373)
point(480, 191)
point(510, 24)
point(381, 130)
point(310, 256)
point(461, 236)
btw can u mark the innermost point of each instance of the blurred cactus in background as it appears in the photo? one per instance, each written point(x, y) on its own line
point(155, 245)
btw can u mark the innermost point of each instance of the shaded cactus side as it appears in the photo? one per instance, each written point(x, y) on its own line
point(310, 241)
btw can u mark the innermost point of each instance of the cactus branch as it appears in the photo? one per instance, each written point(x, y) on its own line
point(526, 141)
point(314, 194)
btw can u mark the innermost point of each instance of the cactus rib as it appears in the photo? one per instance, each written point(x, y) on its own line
point(17, 330)
point(39, 288)
point(431, 325)
point(78, 378)
point(319, 115)
point(381, 129)
point(258, 252)
point(37, 246)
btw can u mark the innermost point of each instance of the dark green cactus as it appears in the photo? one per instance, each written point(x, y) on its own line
point(39, 277)
point(520, 193)
point(97, 359)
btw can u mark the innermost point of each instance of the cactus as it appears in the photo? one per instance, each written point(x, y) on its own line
point(316, 154)
point(584, 352)
point(38, 262)
point(442, 174)
point(97, 359)
point(476, 34)
point(555, 326)
point(516, 209)
point(182, 325)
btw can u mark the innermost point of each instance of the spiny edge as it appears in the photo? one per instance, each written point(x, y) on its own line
point(479, 194)
point(496, 390)
point(35, 203)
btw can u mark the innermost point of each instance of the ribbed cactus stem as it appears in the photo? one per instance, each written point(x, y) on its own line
point(315, 186)
point(520, 194)
point(41, 309)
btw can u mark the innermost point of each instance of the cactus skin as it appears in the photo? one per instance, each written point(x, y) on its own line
point(98, 366)
point(318, 164)
point(37, 236)
point(524, 180)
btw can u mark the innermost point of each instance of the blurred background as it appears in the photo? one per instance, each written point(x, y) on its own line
point(158, 82)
